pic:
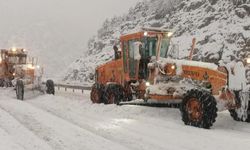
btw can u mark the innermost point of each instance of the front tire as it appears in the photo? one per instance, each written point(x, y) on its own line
point(20, 90)
point(50, 87)
point(198, 109)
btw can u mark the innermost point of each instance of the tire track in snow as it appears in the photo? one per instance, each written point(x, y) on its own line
point(60, 134)
point(130, 139)
point(117, 131)
point(222, 139)
point(7, 143)
point(150, 136)
point(224, 121)
point(20, 135)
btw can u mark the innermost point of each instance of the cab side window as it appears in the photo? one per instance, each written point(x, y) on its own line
point(124, 51)
point(132, 61)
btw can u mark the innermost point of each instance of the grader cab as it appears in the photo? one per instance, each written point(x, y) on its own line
point(8, 60)
point(149, 69)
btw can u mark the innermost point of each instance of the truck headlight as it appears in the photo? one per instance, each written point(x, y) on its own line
point(147, 84)
point(248, 60)
point(173, 67)
point(170, 34)
point(30, 66)
point(14, 49)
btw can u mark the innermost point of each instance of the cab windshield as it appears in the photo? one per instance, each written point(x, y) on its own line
point(149, 45)
point(17, 59)
point(164, 47)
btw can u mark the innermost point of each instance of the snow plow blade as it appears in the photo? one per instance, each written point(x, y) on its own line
point(150, 103)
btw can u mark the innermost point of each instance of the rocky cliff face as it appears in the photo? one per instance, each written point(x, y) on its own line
point(221, 27)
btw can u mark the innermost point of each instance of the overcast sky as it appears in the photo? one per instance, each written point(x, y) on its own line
point(82, 16)
point(55, 31)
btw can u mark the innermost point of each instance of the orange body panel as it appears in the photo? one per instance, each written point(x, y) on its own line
point(111, 72)
point(217, 78)
point(30, 73)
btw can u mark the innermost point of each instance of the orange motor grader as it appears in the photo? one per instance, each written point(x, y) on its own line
point(17, 70)
point(149, 69)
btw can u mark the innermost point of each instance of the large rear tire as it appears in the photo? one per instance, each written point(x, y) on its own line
point(20, 90)
point(50, 87)
point(96, 94)
point(198, 109)
point(113, 94)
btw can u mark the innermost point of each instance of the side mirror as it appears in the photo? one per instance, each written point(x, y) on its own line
point(115, 48)
point(91, 76)
point(248, 60)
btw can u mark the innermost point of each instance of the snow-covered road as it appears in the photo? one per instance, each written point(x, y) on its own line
point(68, 121)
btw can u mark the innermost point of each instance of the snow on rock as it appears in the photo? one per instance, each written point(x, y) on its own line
point(221, 29)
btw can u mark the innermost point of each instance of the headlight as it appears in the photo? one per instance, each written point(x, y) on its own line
point(248, 60)
point(14, 74)
point(145, 33)
point(30, 66)
point(14, 49)
point(170, 34)
point(173, 67)
point(147, 84)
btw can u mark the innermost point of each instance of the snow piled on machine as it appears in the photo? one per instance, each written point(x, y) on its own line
point(179, 63)
point(236, 76)
point(221, 29)
point(184, 85)
point(166, 89)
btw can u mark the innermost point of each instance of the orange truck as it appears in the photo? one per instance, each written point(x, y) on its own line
point(149, 69)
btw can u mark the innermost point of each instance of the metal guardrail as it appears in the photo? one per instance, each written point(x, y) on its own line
point(67, 87)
